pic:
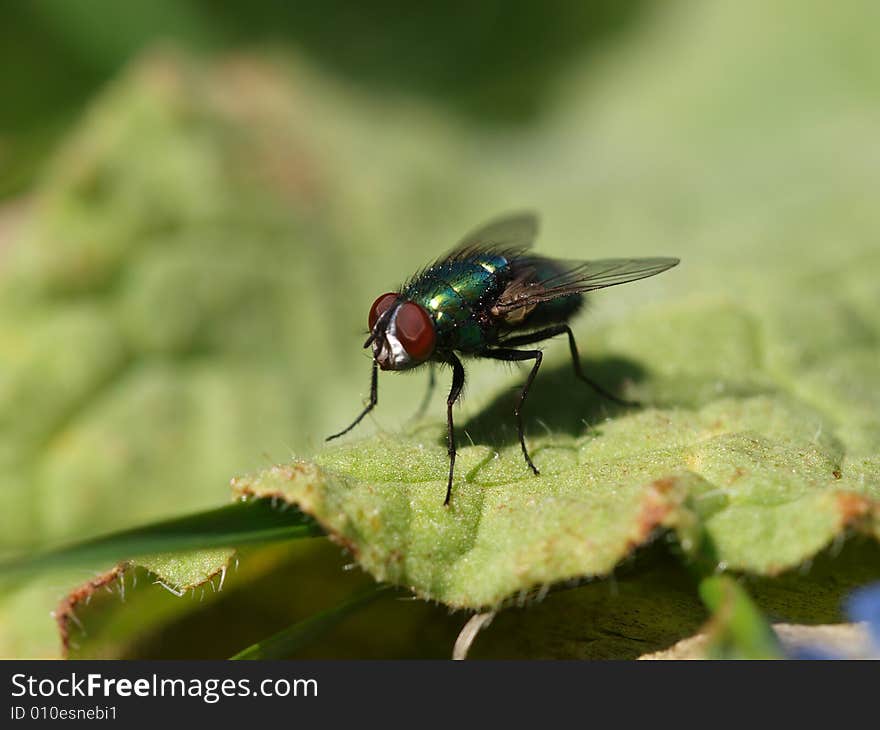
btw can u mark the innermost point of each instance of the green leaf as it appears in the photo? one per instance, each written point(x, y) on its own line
point(740, 481)
point(647, 604)
point(286, 643)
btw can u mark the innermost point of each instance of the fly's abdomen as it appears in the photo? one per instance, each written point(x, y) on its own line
point(529, 284)
point(559, 309)
point(455, 294)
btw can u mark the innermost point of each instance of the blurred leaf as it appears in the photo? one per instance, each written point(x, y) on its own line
point(186, 557)
point(180, 554)
point(292, 639)
point(648, 603)
point(135, 330)
point(266, 588)
point(155, 301)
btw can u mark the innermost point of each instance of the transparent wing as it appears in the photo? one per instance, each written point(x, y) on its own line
point(589, 275)
point(540, 280)
point(512, 232)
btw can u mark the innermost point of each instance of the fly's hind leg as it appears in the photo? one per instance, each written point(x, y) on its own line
point(558, 329)
point(576, 362)
point(509, 355)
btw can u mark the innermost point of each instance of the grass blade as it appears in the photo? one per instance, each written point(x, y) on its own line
point(236, 524)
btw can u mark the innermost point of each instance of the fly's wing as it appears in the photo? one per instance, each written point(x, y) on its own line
point(512, 233)
point(508, 236)
point(539, 280)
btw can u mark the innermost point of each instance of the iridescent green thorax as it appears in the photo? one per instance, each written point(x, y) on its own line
point(455, 294)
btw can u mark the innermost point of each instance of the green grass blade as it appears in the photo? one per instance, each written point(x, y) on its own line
point(236, 524)
point(738, 630)
point(287, 642)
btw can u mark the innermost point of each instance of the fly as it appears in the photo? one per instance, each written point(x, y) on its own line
point(487, 298)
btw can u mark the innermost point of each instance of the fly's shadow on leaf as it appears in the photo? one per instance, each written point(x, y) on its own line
point(558, 401)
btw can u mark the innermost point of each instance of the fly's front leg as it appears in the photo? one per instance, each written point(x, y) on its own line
point(374, 397)
point(454, 392)
point(514, 356)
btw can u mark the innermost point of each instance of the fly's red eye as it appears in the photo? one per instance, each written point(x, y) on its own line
point(380, 306)
point(415, 331)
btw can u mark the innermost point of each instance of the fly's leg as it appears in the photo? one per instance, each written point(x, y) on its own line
point(576, 362)
point(558, 329)
point(513, 356)
point(454, 392)
point(374, 397)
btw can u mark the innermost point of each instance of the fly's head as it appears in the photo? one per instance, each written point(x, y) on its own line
point(401, 332)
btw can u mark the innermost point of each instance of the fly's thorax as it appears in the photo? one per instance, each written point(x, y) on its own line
point(458, 294)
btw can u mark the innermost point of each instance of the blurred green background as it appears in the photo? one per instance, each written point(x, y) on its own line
point(199, 201)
